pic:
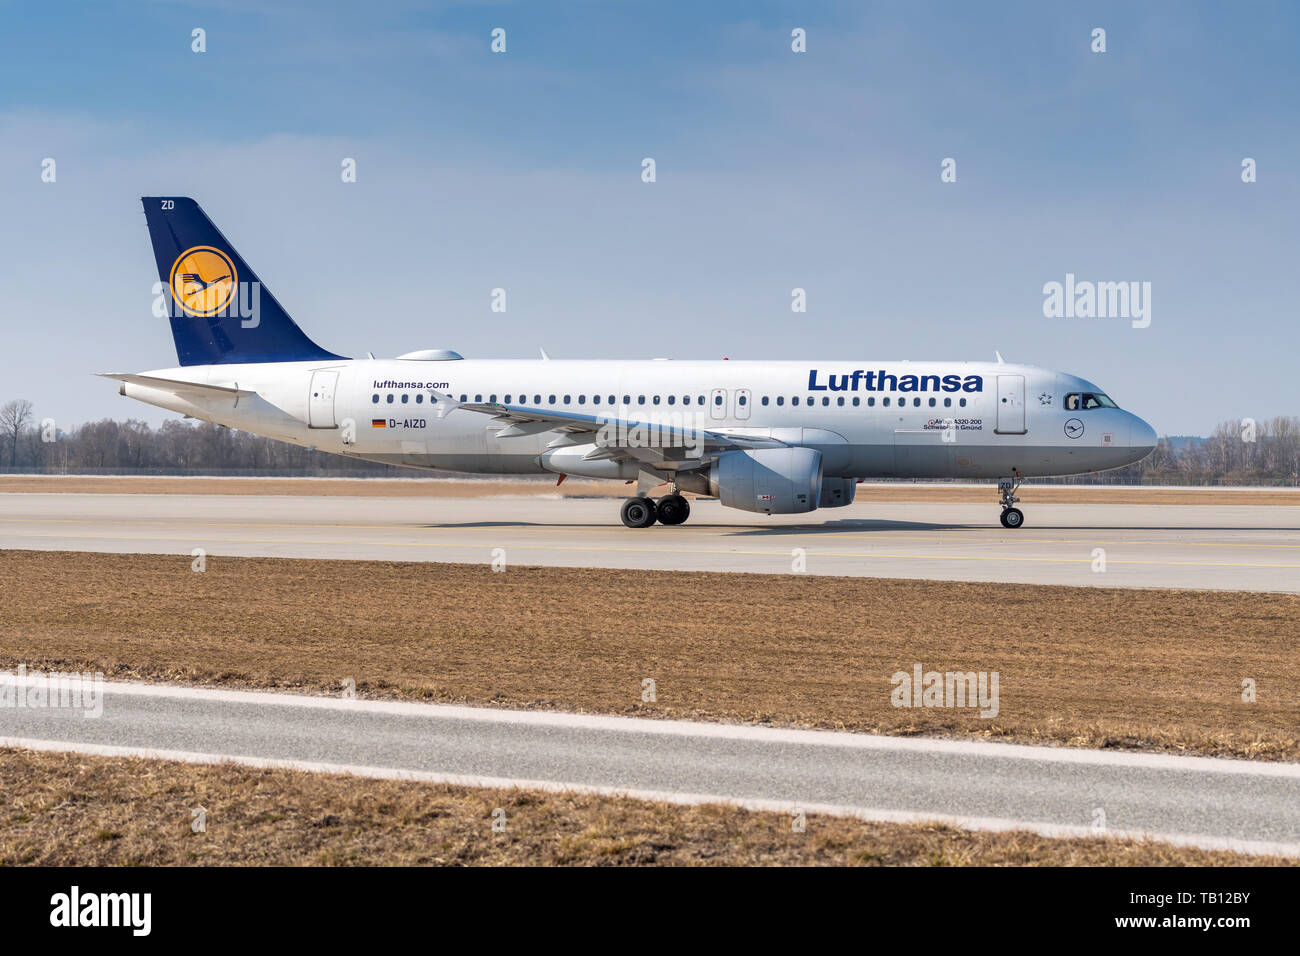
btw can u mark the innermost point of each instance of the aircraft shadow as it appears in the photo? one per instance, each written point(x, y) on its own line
point(848, 525)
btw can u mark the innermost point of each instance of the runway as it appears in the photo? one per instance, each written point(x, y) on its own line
point(1218, 804)
point(1230, 547)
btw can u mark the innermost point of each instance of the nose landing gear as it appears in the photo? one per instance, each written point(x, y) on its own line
point(1012, 517)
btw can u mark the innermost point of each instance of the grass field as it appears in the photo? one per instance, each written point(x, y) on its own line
point(1094, 667)
point(453, 488)
point(68, 809)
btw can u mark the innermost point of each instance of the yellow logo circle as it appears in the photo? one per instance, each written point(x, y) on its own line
point(203, 280)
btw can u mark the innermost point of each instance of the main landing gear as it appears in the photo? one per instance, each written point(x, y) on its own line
point(643, 512)
point(1012, 517)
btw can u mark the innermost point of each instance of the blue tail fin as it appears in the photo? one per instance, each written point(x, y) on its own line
point(220, 311)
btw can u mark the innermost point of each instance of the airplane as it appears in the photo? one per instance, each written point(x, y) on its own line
point(781, 437)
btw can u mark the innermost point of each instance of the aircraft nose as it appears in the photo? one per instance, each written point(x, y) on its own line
point(1142, 437)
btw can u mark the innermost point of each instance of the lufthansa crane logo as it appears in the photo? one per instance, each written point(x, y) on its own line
point(203, 280)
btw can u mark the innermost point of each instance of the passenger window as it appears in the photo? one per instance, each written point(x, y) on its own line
point(640, 399)
point(932, 403)
point(390, 398)
point(375, 398)
point(552, 399)
point(419, 398)
point(962, 402)
point(672, 399)
point(947, 403)
point(826, 399)
point(840, 400)
point(655, 400)
point(595, 399)
point(537, 399)
point(627, 399)
point(871, 400)
point(701, 401)
point(780, 399)
point(764, 399)
point(885, 401)
point(794, 400)
point(717, 399)
point(856, 401)
point(740, 399)
point(916, 402)
point(582, 399)
point(567, 398)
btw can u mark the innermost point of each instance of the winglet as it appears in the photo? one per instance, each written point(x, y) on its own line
point(998, 355)
point(544, 355)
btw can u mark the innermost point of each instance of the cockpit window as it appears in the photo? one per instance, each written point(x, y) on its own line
point(1087, 400)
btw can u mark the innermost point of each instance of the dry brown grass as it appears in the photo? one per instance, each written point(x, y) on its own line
point(68, 809)
point(579, 488)
point(1096, 667)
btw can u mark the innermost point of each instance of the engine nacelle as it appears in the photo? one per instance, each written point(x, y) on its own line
point(837, 492)
point(774, 481)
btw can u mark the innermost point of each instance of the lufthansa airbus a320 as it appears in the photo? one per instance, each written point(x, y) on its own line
point(766, 437)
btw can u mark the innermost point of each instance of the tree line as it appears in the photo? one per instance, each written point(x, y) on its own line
point(1237, 452)
point(176, 447)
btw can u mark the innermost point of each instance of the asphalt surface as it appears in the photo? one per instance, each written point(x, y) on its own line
point(1230, 547)
point(1250, 806)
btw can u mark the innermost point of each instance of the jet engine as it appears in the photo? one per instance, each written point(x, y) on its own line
point(774, 481)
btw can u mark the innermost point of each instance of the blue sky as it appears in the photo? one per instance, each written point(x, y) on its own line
point(775, 170)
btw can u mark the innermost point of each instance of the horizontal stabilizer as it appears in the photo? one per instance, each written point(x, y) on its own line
point(178, 386)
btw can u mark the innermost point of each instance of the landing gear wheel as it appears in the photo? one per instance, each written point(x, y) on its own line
point(673, 509)
point(638, 512)
point(1012, 517)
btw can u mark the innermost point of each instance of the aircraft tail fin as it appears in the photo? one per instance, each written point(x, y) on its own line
point(220, 311)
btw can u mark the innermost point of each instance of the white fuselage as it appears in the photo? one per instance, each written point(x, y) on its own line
point(916, 420)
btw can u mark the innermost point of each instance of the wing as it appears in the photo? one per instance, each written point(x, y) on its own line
point(615, 437)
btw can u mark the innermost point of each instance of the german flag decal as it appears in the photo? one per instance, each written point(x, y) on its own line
point(378, 423)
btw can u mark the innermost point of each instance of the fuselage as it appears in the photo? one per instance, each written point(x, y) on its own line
point(867, 418)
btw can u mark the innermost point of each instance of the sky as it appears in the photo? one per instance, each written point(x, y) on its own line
point(775, 170)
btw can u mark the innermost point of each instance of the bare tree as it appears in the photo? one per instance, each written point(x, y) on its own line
point(14, 417)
